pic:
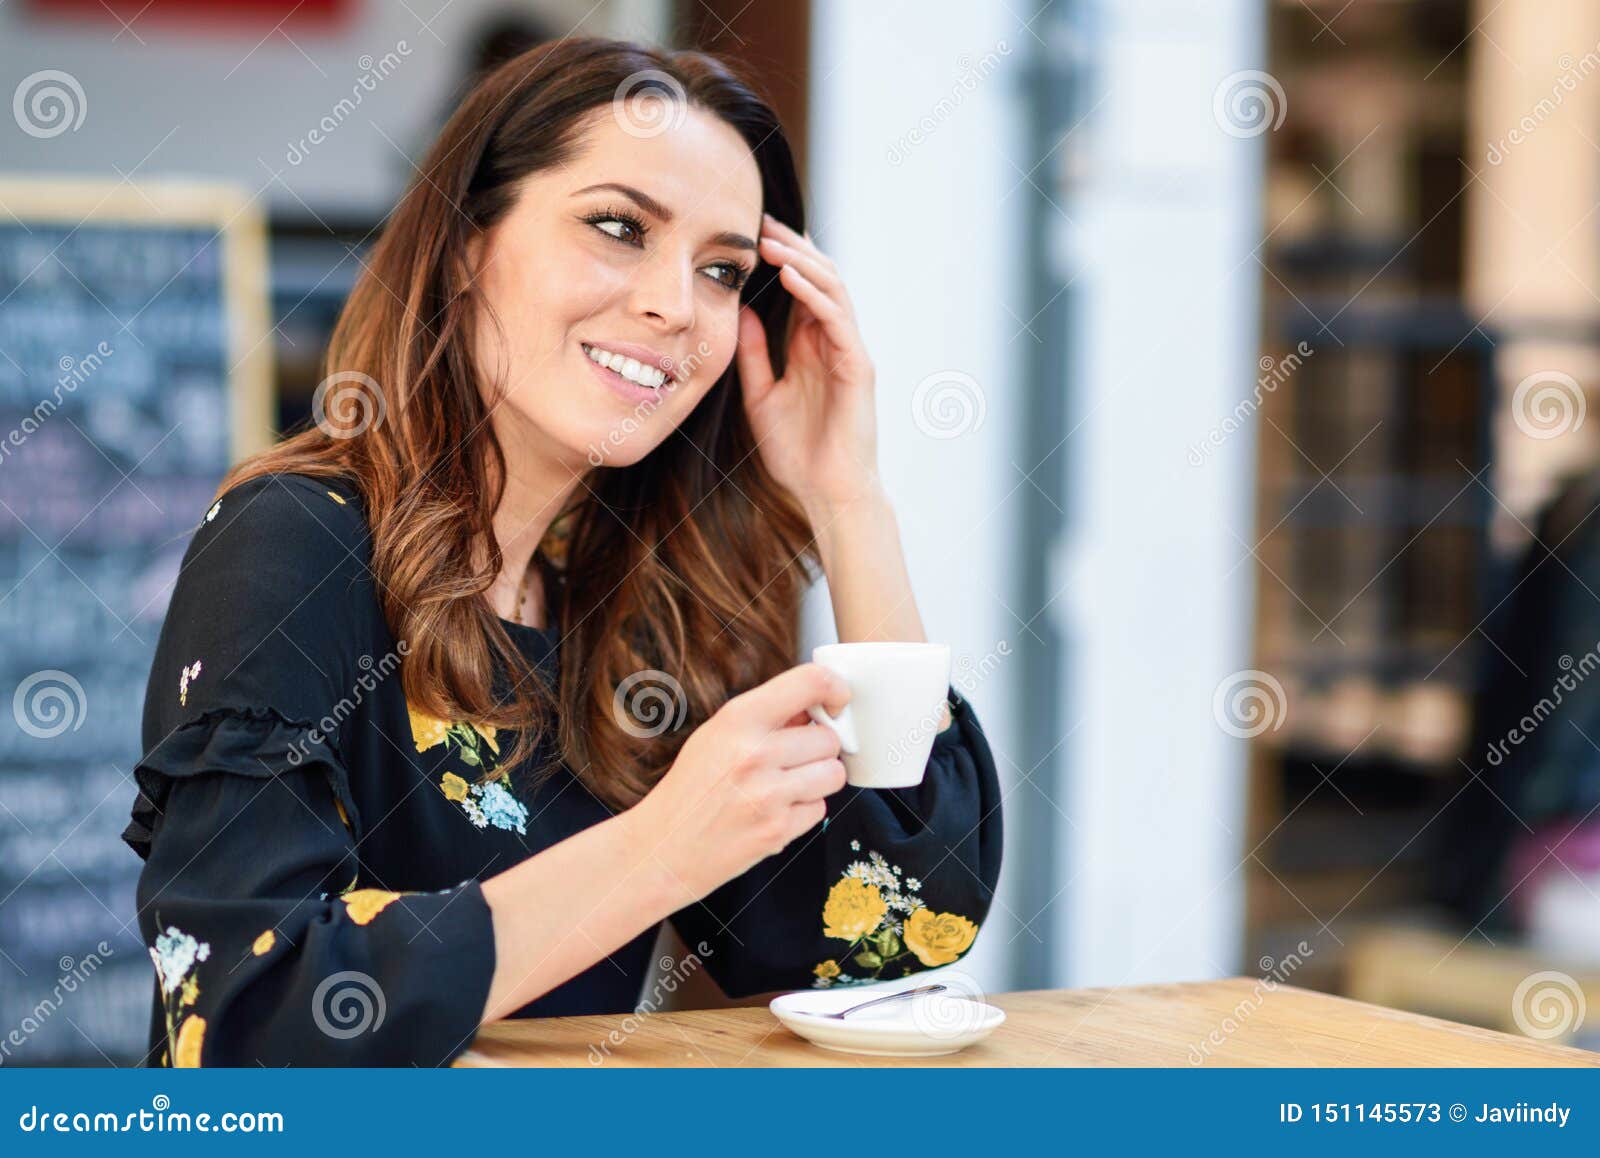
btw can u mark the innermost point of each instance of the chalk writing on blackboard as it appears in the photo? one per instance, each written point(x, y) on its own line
point(123, 369)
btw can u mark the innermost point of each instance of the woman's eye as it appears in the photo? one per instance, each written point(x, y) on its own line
point(607, 224)
point(731, 276)
point(726, 274)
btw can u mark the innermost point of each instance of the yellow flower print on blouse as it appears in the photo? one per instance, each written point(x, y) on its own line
point(191, 1036)
point(488, 801)
point(426, 730)
point(468, 738)
point(853, 909)
point(891, 929)
point(264, 943)
point(364, 904)
point(175, 956)
point(938, 938)
point(488, 732)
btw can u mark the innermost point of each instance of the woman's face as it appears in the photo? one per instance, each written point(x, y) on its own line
point(635, 248)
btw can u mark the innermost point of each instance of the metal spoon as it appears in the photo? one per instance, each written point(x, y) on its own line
point(842, 1014)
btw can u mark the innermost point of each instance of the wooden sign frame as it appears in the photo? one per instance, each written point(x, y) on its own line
point(242, 228)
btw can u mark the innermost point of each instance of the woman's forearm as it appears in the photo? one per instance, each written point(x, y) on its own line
point(868, 582)
point(558, 912)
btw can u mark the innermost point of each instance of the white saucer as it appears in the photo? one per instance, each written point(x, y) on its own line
point(925, 1026)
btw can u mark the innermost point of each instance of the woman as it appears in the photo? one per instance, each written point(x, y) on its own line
point(465, 689)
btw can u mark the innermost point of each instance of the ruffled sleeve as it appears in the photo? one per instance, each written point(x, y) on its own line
point(892, 882)
point(271, 621)
point(269, 946)
point(254, 743)
point(269, 951)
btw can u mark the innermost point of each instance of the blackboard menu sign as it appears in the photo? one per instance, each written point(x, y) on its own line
point(135, 366)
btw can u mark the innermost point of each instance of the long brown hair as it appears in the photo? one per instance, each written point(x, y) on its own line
point(683, 572)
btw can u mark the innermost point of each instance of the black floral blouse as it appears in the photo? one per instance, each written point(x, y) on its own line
point(313, 847)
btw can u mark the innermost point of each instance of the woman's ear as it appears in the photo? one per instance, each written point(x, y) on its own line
point(474, 253)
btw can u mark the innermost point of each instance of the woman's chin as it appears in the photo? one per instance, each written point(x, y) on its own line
point(601, 436)
point(618, 443)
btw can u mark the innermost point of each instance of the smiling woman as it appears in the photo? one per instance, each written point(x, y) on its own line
point(615, 285)
point(380, 804)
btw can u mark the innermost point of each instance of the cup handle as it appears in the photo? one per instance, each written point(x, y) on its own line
point(843, 725)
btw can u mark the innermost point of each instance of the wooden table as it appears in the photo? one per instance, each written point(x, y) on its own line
point(1234, 1022)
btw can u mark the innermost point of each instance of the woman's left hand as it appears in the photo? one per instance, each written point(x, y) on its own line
point(816, 427)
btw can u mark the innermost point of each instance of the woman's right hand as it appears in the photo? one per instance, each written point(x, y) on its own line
point(748, 781)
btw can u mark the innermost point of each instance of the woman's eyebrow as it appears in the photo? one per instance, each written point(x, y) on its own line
point(660, 212)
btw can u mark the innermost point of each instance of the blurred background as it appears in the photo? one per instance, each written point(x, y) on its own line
point(1233, 357)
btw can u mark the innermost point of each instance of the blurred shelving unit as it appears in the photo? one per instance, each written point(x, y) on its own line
point(1415, 285)
point(1375, 402)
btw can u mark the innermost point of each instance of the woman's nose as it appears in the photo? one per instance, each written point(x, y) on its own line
point(664, 291)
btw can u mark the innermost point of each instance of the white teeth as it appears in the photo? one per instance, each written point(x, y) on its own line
point(630, 369)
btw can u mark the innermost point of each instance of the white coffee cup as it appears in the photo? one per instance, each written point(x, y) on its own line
point(886, 731)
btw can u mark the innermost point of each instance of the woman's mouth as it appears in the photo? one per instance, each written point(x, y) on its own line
point(632, 372)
